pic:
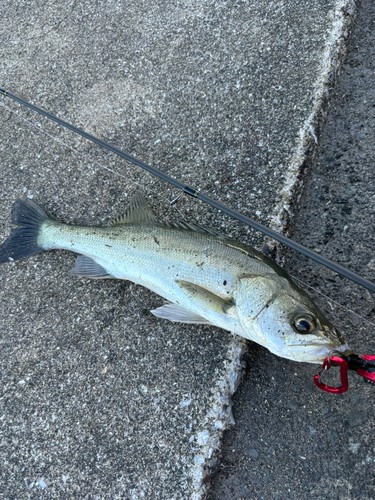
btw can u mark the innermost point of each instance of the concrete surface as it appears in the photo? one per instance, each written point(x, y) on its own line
point(99, 399)
point(290, 439)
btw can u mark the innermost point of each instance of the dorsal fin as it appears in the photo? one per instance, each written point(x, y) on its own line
point(137, 212)
point(188, 226)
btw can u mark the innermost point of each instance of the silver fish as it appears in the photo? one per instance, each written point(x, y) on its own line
point(206, 278)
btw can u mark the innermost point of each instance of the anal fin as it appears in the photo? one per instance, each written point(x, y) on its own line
point(88, 268)
point(178, 314)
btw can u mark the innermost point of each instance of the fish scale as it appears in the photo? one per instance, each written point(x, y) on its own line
point(155, 256)
point(206, 278)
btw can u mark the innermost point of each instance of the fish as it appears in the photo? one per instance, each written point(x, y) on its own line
point(205, 278)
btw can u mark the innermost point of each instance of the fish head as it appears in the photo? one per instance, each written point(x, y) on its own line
point(275, 313)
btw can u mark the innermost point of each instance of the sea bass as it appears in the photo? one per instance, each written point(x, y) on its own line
point(206, 278)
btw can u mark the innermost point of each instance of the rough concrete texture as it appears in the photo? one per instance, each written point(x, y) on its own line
point(100, 399)
point(290, 439)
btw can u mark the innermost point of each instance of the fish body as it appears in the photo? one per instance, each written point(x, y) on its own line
point(206, 278)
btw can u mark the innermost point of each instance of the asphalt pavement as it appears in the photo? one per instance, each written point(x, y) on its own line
point(292, 440)
point(99, 399)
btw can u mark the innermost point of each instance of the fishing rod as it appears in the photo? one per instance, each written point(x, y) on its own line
point(200, 196)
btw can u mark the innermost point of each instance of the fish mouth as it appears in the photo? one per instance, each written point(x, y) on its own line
point(316, 353)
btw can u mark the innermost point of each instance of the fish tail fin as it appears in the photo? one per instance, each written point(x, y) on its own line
point(23, 241)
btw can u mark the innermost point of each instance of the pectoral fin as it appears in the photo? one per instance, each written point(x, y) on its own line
point(178, 314)
point(88, 268)
point(205, 298)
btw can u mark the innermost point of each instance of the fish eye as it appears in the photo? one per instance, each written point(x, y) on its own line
point(304, 323)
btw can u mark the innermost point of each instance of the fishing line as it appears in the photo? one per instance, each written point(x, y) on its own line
point(200, 196)
point(77, 152)
point(173, 202)
point(333, 301)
